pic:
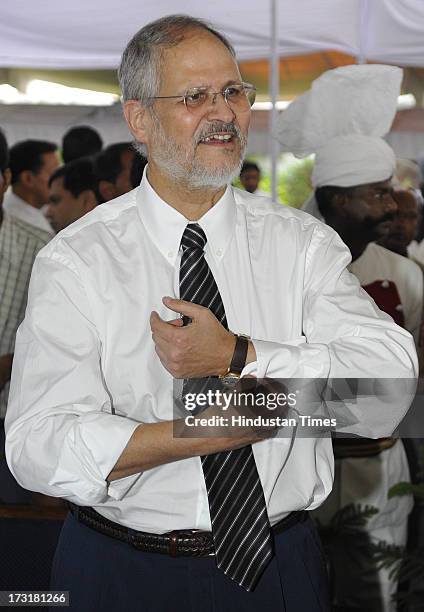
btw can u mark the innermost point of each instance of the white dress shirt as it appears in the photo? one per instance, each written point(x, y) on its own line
point(18, 208)
point(86, 373)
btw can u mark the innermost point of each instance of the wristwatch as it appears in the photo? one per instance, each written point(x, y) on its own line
point(232, 375)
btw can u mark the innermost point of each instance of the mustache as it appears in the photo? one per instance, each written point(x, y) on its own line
point(218, 127)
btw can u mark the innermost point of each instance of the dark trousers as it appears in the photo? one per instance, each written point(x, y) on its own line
point(105, 575)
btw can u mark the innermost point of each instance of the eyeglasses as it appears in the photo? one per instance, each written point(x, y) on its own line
point(239, 97)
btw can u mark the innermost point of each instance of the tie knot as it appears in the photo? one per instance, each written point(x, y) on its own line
point(194, 237)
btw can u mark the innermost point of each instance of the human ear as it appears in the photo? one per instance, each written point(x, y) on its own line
point(26, 178)
point(88, 200)
point(136, 117)
point(7, 177)
point(107, 190)
point(340, 203)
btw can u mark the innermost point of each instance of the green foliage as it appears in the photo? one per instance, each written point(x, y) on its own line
point(293, 178)
point(405, 564)
point(294, 181)
point(348, 520)
point(407, 488)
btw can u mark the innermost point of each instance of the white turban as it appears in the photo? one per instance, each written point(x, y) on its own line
point(342, 120)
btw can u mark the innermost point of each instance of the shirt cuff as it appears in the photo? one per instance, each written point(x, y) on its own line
point(95, 442)
point(295, 359)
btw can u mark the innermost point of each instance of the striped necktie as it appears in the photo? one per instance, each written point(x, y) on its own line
point(240, 525)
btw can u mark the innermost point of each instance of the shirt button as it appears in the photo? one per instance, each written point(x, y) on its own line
point(219, 252)
point(170, 254)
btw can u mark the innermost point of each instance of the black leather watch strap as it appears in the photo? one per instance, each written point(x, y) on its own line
point(239, 356)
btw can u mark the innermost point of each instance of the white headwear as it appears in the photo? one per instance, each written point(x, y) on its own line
point(342, 120)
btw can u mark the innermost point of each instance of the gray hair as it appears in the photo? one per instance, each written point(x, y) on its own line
point(139, 71)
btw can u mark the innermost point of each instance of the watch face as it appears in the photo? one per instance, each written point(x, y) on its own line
point(229, 381)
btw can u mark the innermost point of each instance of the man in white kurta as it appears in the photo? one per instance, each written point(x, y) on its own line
point(349, 110)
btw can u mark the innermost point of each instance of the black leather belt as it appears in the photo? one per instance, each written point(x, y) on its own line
point(181, 543)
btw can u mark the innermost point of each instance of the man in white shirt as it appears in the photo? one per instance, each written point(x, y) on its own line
point(103, 349)
point(31, 162)
point(23, 233)
point(73, 193)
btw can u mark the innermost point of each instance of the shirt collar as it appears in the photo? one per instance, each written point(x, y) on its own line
point(18, 208)
point(165, 225)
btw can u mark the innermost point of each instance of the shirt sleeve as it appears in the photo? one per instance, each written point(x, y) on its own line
point(414, 308)
point(63, 437)
point(344, 336)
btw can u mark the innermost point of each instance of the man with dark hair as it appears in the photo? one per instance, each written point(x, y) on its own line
point(31, 163)
point(250, 175)
point(94, 420)
point(73, 189)
point(405, 222)
point(5, 174)
point(81, 141)
point(7, 482)
point(113, 170)
point(24, 231)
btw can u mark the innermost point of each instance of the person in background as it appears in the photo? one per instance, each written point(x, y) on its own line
point(5, 177)
point(400, 239)
point(250, 175)
point(31, 164)
point(112, 167)
point(405, 223)
point(342, 119)
point(24, 231)
point(73, 193)
point(81, 141)
point(137, 169)
point(5, 173)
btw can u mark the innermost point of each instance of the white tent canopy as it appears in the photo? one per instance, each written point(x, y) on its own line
point(92, 33)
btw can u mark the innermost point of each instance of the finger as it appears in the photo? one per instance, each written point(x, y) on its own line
point(162, 328)
point(155, 321)
point(186, 308)
point(176, 322)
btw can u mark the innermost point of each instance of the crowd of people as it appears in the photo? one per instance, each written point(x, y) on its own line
point(97, 354)
point(40, 197)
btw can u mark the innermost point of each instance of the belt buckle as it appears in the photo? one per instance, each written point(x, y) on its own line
point(172, 547)
point(174, 536)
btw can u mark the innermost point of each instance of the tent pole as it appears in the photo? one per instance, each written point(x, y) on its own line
point(363, 31)
point(274, 91)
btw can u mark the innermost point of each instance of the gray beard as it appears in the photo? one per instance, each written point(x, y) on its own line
point(175, 162)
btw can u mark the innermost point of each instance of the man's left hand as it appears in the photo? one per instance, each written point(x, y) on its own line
point(202, 348)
